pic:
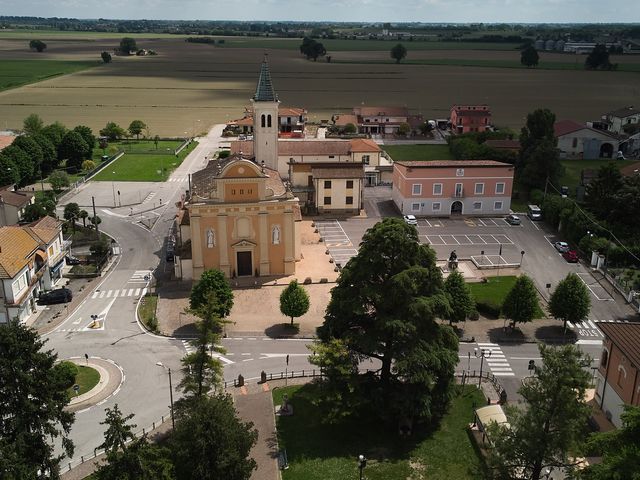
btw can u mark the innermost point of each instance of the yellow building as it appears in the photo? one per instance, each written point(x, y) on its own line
point(239, 216)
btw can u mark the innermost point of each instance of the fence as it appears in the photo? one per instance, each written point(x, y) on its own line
point(184, 145)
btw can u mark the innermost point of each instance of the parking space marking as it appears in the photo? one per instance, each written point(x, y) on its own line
point(503, 239)
point(428, 223)
point(463, 240)
point(596, 286)
point(489, 239)
point(475, 239)
point(431, 240)
point(449, 239)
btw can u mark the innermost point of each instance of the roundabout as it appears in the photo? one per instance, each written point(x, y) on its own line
point(111, 378)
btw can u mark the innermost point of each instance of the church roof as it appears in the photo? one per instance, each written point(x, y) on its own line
point(264, 90)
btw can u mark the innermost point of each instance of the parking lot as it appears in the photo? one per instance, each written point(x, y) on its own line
point(336, 240)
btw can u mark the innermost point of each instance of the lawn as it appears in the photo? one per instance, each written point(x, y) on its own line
point(14, 73)
point(87, 378)
point(143, 167)
point(316, 451)
point(573, 170)
point(418, 152)
point(147, 146)
point(489, 296)
point(147, 311)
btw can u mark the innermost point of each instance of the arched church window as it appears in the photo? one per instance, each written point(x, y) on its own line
point(269, 121)
point(262, 121)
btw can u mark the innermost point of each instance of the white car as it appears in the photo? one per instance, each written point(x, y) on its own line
point(410, 220)
point(561, 246)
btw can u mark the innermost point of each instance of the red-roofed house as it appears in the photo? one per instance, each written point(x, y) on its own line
point(378, 120)
point(470, 118)
point(12, 205)
point(577, 140)
point(291, 122)
point(6, 140)
point(443, 188)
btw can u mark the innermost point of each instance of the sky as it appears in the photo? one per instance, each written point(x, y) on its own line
point(468, 11)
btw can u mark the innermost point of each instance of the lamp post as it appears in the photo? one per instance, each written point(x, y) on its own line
point(113, 189)
point(362, 462)
point(481, 354)
point(522, 252)
point(168, 369)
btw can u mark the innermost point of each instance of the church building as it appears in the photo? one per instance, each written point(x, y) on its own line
point(238, 215)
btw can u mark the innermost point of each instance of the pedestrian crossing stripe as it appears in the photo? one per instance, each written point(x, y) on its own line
point(496, 360)
point(132, 292)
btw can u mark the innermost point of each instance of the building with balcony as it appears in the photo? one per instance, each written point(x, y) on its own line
point(470, 118)
point(618, 374)
point(378, 120)
point(443, 188)
point(48, 232)
point(616, 120)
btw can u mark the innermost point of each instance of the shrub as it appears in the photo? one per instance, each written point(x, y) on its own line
point(307, 281)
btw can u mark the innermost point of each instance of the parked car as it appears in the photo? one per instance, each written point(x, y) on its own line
point(61, 295)
point(534, 212)
point(513, 219)
point(72, 260)
point(561, 246)
point(571, 256)
point(410, 220)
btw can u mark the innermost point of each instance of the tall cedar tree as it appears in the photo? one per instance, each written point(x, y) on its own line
point(384, 306)
point(34, 395)
point(460, 298)
point(552, 425)
point(539, 157)
point(294, 300)
point(521, 304)
point(210, 442)
point(570, 301)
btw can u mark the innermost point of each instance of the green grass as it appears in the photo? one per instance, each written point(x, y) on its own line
point(143, 167)
point(147, 311)
point(418, 152)
point(573, 170)
point(147, 146)
point(317, 451)
point(15, 73)
point(87, 378)
point(492, 293)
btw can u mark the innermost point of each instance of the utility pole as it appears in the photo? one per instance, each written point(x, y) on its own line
point(93, 202)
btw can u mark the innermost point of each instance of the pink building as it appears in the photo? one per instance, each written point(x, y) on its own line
point(470, 118)
point(442, 188)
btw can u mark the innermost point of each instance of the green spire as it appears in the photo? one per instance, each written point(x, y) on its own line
point(264, 90)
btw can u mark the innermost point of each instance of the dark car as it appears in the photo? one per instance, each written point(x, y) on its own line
point(72, 260)
point(61, 295)
point(570, 256)
point(513, 219)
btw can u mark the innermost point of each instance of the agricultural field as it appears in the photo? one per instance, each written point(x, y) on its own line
point(190, 87)
point(14, 73)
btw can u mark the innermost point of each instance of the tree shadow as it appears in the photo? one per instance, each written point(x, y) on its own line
point(188, 330)
point(555, 334)
point(507, 335)
point(282, 330)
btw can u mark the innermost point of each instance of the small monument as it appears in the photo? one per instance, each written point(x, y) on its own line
point(453, 261)
point(286, 409)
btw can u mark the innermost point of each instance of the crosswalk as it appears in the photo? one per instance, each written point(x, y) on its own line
point(189, 348)
point(177, 179)
point(496, 360)
point(140, 276)
point(588, 328)
point(124, 292)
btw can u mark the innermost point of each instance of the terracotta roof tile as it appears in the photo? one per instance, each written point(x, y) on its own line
point(6, 140)
point(322, 172)
point(364, 145)
point(314, 147)
point(452, 163)
point(46, 229)
point(16, 248)
point(381, 111)
point(15, 199)
point(625, 336)
point(624, 112)
point(563, 127)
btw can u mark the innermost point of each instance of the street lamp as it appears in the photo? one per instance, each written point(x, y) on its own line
point(113, 189)
point(362, 462)
point(168, 369)
point(521, 256)
point(481, 354)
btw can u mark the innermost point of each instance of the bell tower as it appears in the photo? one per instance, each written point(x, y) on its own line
point(265, 119)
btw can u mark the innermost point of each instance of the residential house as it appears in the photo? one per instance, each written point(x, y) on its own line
point(618, 374)
point(378, 120)
point(12, 205)
point(470, 118)
point(291, 122)
point(31, 257)
point(6, 139)
point(452, 187)
point(577, 140)
point(616, 120)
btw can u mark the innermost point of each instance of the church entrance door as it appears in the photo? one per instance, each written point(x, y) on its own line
point(244, 264)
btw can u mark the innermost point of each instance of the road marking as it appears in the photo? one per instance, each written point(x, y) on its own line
point(137, 292)
point(102, 294)
point(589, 342)
point(115, 293)
point(77, 321)
point(109, 293)
point(130, 292)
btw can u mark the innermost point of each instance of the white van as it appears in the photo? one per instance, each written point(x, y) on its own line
point(534, 212)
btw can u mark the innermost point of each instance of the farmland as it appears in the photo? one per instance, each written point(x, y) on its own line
point(14, 73)
point(189, 87)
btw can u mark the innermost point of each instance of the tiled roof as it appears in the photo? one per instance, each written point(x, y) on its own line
point(364, 145)
point(16, 199)
point(452, 163)
point(625, 112)
point(314, 147)
point(381, 111)
point(503, 144)
point(264, 89)
point(345, 119)
point(625, 336)
point(46, 229)
point(6, 140)
point(282, 112)
point(563, 127)
point(16, 248)
point(473, 113)
point(297, 213)
point(355, 171)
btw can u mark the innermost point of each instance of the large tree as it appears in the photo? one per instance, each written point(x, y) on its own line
point(59, 180)
point(34, 395)
point(460, 298)
point(37, 45)
point(71, 214)
point(112, 131)
point(55, 133)
point(539, 160)
point(106, 57)
point(32, 124)
point(136, 127)
point(22, 162)
point(210, 442)
point(49, 153)
point(529, 56)
point(398, 52)
point(73, 149)
point(626, 205)
point(553, 423)
point(521, 303)
point(570, 301)
point(9, 174)
point(212, 281)
point(598, 58)
point(312, 49)
point(128, 45)
point(129, 458)
point(294, 300)
point(619, 448)
point(384, 306)
point(32, 149)
point(88, 137)
point(601, 191)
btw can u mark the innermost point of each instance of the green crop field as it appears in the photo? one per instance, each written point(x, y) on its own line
point(14, 73)
point(418, 152)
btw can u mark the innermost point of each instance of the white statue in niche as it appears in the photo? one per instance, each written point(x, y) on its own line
point(275, 235)
point(211, 239)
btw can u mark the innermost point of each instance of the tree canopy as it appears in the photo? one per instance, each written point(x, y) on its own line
point(460, 298)
point(598, 59)
point(570, 301)
point(539, 160)
point(55, 133)
point(312, 49)
point(106, 57)
point(136, 127)
point(89, 138)
point(37, 45)
point(294, 300)
point(34, 394)
point(73, 149)
point(112, 131)
point(384, 306)
point(22, 162)
point(521, 303)
point(32, 124)
point(398, 52)
point(128, 45)
point(212, 281)
point(529, 56)
point(552, 425)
